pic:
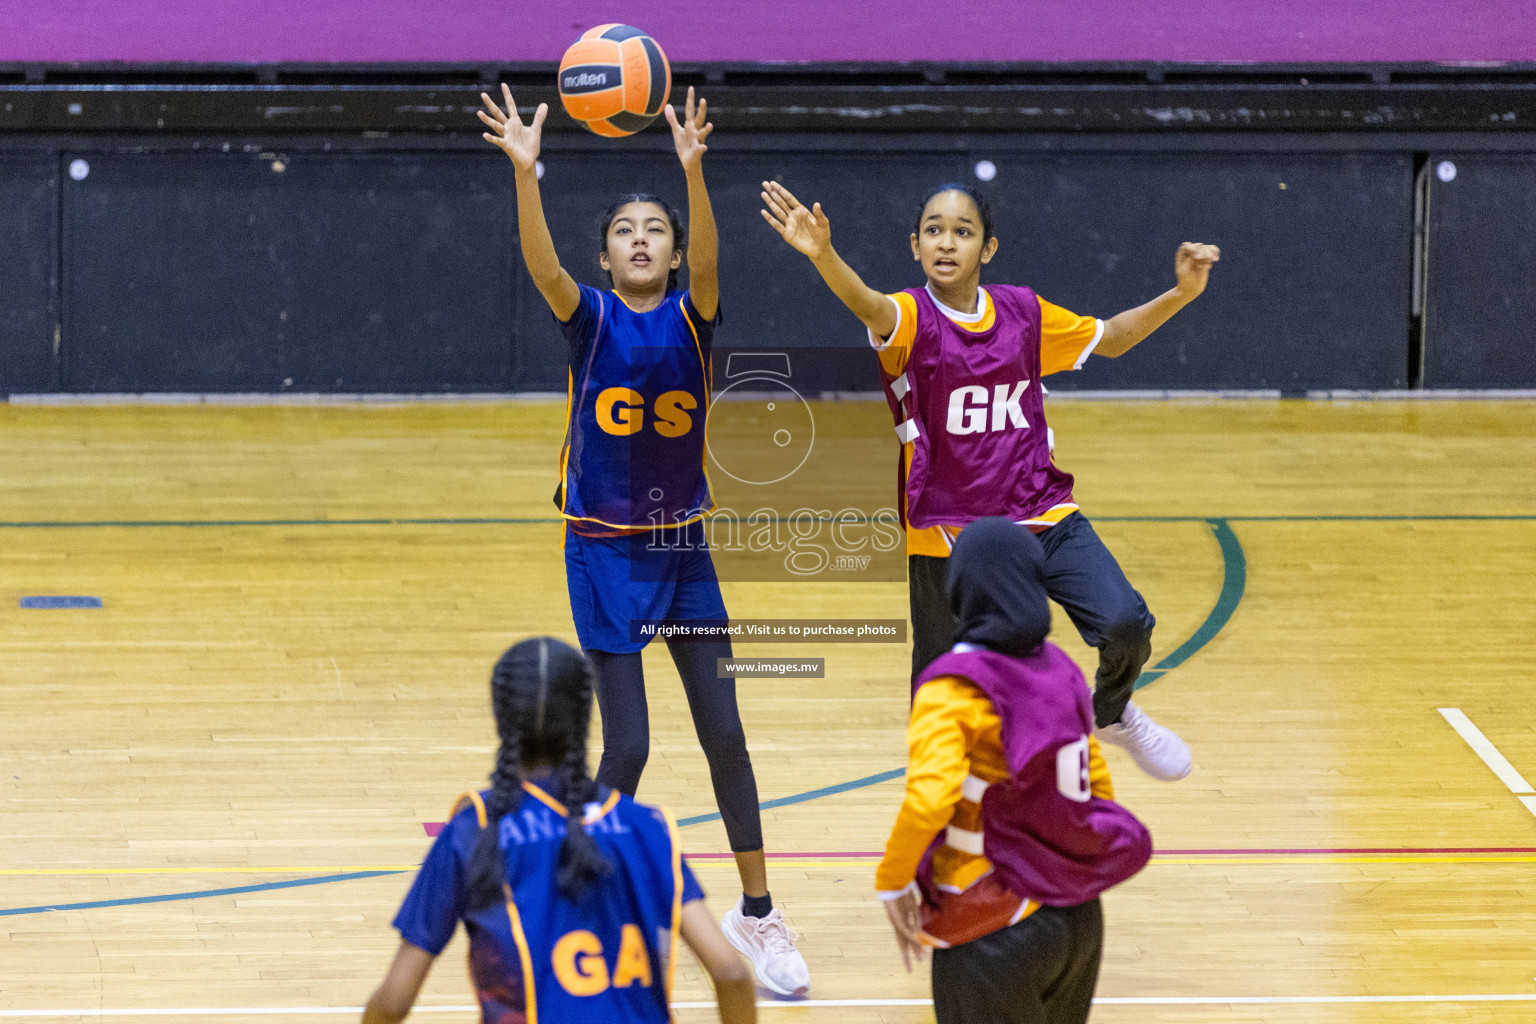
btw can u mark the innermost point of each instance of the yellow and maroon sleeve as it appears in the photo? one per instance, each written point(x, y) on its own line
point(946, 715)
point(895, 349)
point(1066, 339)
point(1099, 782)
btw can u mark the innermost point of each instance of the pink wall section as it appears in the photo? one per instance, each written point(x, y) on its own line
point(789, 30)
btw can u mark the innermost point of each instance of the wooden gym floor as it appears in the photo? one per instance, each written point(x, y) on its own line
point(211, 787)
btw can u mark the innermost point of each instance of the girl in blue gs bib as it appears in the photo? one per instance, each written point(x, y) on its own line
point(634, 494)
point(573, 895)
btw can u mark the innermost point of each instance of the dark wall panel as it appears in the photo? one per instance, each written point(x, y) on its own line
point(29, 216)
point(399, 272)
point(1311, 291)
point(309, 272)
point(776, 295)
point(1482, 274)
point(770, 294)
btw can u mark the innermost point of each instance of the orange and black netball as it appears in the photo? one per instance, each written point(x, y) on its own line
point(615, 80)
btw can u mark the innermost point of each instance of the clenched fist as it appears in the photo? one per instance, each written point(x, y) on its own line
point(1192, 265)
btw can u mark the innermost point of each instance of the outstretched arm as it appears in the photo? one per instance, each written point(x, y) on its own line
point(521, 143)
point(809, 231)
point(704, 244)
point(1192, 265)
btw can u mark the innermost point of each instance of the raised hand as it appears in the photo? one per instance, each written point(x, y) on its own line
point(508, 133)
point(689, 134)
point(1192, 265)
point(808, 230)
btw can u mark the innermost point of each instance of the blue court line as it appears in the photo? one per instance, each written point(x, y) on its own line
point(43, 524)
point(1234, 582)
point(810, 794)
point(798, 798)
point(1232, 588)
point(60, 601)
point(297, 883)
point(200, 894)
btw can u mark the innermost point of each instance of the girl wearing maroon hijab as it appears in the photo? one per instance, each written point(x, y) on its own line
point(1009, 830)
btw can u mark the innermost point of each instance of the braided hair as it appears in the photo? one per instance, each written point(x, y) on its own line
point(541, 693)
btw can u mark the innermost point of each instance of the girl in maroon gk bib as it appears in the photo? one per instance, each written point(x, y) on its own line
point(961, 365)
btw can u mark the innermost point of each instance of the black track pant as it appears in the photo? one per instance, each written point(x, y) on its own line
point(711, 701)
point(1081, 576)
point(1040, 971)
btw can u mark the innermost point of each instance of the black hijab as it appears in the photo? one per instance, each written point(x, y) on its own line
point(996, 585)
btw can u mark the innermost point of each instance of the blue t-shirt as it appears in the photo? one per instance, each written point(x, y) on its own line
point(605, 959)
point(639, 395)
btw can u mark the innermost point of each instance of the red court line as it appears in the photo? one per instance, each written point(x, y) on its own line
point(1349, 849)
point(796, 856)
point(433, 828)
point(1273, 852)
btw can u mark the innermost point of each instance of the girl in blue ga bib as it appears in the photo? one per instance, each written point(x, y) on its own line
point(633, 491)
point(573, 895)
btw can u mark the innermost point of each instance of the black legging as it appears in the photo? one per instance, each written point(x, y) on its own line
point(1081, 576)
point(711, 701)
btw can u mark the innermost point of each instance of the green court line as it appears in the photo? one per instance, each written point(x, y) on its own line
point(42, 524)
point(1234, 582)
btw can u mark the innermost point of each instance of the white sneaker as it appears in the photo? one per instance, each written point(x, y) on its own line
point(769, 943)
point(1156, 750)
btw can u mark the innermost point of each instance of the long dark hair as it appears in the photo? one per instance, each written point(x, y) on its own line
point(982, 207)
point(541, 692)
point(679, 232)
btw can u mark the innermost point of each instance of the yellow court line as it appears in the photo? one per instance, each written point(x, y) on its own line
point(303, 870)
point(790, 862)
point(1351, 859)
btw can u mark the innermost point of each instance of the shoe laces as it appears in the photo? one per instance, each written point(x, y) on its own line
point(776, 936)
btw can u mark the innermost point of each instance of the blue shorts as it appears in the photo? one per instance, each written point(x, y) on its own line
point(616, 581)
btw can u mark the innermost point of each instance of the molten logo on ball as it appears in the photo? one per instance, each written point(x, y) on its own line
point(585, 81)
